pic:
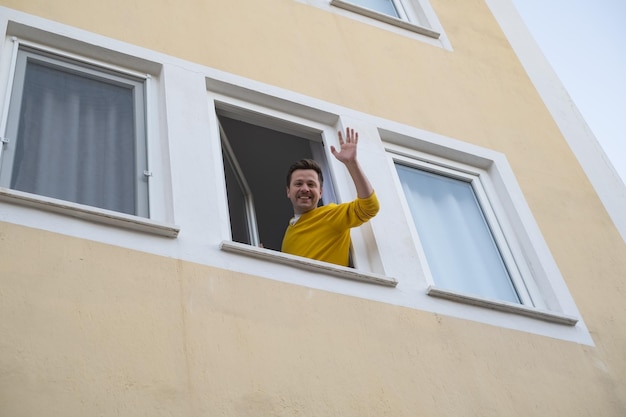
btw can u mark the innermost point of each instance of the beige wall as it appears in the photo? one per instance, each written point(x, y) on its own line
point(91, 329)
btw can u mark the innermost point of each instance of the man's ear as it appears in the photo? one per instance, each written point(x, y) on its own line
point(287, 190)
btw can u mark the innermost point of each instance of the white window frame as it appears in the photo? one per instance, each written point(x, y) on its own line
point(274, 113)
point(29, 53)
point(538, 297)
point(243, 187)
point(417, 18)
point(396, 4)
point(478, 179)
point(158, 222)
point(411, 17)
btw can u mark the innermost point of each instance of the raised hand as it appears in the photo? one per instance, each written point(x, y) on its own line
point(347, 151)
point(347, 155)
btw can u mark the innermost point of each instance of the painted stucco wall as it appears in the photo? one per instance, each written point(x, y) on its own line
point(94, 329)
point(91, 329)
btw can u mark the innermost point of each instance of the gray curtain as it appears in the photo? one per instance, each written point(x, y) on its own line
point(76, 139)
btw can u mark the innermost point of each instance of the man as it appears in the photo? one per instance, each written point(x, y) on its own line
point(323, 233)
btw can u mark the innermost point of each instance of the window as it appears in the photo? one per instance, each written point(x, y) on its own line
point(407, 14)
point(472, 232)
point(256, 159)
point(462, 250)
point(389, 7)
point(76, 132)
point(260, 137)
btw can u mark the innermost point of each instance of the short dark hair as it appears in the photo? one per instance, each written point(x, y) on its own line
point(305, 164)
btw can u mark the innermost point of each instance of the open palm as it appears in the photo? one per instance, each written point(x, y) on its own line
point(347, 151)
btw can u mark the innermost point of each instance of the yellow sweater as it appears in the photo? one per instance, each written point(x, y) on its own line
point(324, 232)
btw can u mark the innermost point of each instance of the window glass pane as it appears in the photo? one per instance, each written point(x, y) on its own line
point(75, 135)
point(382, 6)
point(456, 238)
point(237, 204)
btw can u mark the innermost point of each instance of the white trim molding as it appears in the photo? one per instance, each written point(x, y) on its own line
point(308, 264)
point(94, 214)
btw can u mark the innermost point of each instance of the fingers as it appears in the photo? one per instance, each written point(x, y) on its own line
point(351, 136)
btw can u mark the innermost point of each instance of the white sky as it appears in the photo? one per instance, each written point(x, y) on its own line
point(585, 41)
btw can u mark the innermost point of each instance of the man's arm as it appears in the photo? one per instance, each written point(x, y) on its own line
point(348, 156)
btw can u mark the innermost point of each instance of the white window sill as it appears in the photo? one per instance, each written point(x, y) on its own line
point(308, 264)
point(549, 316)
point(385, 18)
point(89, 213)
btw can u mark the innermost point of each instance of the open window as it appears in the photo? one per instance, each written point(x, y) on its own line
point(257, 155)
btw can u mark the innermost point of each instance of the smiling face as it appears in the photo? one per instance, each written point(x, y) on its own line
point(304, 190)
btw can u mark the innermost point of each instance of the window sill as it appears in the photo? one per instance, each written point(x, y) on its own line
point(308, 264)
point(89, 213)
point(504, 306)
point(385, 18)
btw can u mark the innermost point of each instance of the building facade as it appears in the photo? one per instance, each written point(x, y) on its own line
point(142, 205)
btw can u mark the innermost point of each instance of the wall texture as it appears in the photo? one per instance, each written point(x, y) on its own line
point(90, 329)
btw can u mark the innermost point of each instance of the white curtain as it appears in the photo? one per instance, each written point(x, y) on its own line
point(76, 139)
point(456, 238)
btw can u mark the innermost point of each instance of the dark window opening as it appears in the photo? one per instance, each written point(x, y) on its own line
point(256, 160)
